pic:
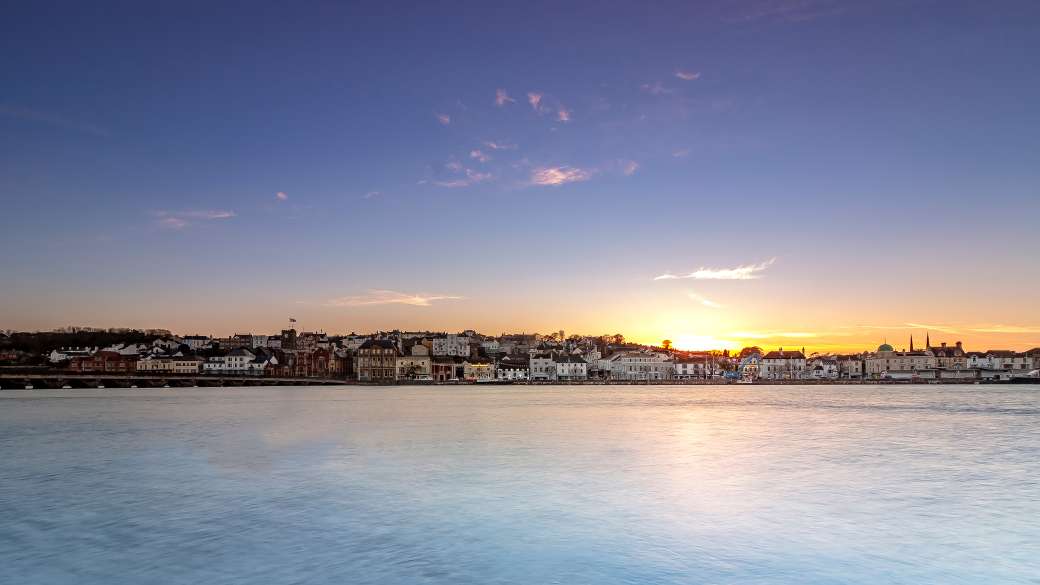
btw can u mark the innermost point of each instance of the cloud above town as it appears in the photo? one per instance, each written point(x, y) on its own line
point(281, 196)
point(704, 301)
point(177, 220)
point(687, 75)
point(745, 272)
point(444, 119)
point(553, 176)
point(391, 297)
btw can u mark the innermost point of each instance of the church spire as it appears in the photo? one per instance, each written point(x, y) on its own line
point(927, 341)
point(911, 342)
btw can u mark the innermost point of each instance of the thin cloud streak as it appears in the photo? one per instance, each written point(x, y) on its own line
point(281, 196)
point(53, 120)
point(177, 220)
point(687, 75)
point(705, 301)
point(499, 145)
point(391, 297)
point(746, 272)
point(444, 119)
point(1006, 329)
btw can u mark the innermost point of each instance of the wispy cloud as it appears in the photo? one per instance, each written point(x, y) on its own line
point(391, 297)
point(687, 75)
point(1006, 329)
point(704, 301)
point(444, 119)
point(535, 99)
point(52, 120)
point(502, 98)
point(563, 115)
point(746, 272)
point(479, 155)
point(933, 327)
point(773, 334)
point(681, 153)
point(177, 220)
point(464, 176)
point(281, 196)
point(371, 194)
point(552, 176)
point(784, 10)
point(629, 167)
point(499, 145)
point(655, 88)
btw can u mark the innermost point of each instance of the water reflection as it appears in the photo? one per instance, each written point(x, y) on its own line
point(521, 485)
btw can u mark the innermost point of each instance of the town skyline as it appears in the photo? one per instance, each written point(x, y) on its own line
point(721, 174)
point(916, 336)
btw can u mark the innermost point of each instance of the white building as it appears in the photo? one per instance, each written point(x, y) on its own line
point(451, 345)
point(570, 367)
point(822, 368)
point(238, 362)
point(782, 365)
point(543, 368)
point(639, 365)
point(689, 369)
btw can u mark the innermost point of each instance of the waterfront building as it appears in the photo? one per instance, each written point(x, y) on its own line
point(750, 366)
point(571, 368)
point(416, 364)
point(950, 357)
point(887, 359)
point(639, 365)
point(109, 362)
point(513, 368)
point(823, 368)
point(377, 361)
point(782, 365)
point(850, 367)
point(478, 370)
point(543, 368)
point(690, 368)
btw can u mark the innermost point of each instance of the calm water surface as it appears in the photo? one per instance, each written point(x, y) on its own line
point(601, 485)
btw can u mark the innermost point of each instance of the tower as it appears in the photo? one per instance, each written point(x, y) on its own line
point(927, 341)
point(911, 342)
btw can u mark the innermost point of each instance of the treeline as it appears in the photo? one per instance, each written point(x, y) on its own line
point(40, 343)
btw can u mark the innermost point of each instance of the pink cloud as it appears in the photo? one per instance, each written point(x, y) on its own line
point(499, 145)
point(629, 167)
point(535, 99)
point(563, 115)
point(281, 196)
point(444, 119)
point(687, 75)
point(552, 176)
point(502, 98)
point(479, 155)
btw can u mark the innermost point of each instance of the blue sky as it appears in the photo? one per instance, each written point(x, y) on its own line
point(534, 164)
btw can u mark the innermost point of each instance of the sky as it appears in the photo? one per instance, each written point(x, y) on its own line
point(826, 174)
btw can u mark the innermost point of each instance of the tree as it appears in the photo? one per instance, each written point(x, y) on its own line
point(667, 344)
